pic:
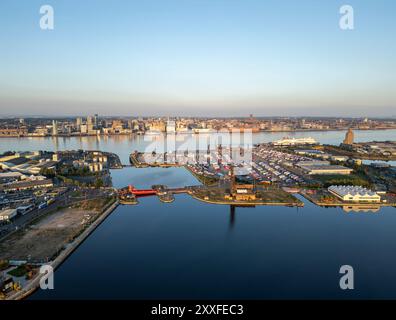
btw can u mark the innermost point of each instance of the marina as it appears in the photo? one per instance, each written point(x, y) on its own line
point(272, 181)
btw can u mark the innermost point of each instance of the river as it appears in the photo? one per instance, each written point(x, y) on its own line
point(188, 249)
point(124, 145)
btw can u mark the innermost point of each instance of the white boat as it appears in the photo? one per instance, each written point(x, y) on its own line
point(294, 141)
point(204, 130)
point(153, 133)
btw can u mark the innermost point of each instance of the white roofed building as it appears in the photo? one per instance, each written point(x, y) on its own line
point(354, 194)
point(295, 141)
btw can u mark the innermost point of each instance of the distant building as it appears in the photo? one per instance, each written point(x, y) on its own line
point(78, 123)
point(83, 129)
point(54, 128)
point(90, 124)
point(171, 127)
point(13, 132)
point(354, 194)
point(117, 127)
point(349, 137)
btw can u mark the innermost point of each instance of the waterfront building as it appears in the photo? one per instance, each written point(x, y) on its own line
point(295, 141)
point(54, 128)
point(354, 194)
point(244, 192)
point(171, 126)
point(13, 132)
point(95, 167)
point(349, 137)
point(83, 129)
point(78, 123)
point(90, 125)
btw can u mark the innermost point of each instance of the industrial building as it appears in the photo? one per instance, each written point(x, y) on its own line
point(323, 168)
point(354, 194)
point(27, 185)
point(7, 214)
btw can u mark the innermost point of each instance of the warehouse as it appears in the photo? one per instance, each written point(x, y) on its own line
point(354, 194)
point(323, 167)
point(27, 185)
point(7, 214)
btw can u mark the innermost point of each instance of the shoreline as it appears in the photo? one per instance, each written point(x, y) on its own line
point(192, 133)
point(248, 204)
point(34, 284)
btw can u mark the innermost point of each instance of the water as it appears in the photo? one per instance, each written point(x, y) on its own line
point(124, 145)
point(188, 249)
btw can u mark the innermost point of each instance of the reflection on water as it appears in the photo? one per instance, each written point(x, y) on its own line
point(185, 249)
point(123, 145)
point(362, 208)
point(189, 249)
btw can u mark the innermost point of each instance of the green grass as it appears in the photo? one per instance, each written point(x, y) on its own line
point(19, 271)
point(76, 194)
point(351, 180)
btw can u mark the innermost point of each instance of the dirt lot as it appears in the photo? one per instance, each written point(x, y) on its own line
point(45, 238)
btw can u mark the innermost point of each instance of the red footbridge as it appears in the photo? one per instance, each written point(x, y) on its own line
point(148, 192)
point(141, 192)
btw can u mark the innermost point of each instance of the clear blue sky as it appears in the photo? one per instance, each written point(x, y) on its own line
point(198, 57)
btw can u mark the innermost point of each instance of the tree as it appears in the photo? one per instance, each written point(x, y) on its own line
point(98, 183)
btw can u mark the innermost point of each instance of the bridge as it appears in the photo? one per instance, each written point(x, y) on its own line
point(155, 190)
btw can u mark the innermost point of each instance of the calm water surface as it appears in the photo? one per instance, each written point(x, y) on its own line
point(189, 249)
point(124, 145)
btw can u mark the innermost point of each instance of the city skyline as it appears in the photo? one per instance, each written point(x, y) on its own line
point(201, 58)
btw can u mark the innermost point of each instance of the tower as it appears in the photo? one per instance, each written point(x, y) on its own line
point(54, 128)
point(232, 178)
point(90, 124)
point(349, 137)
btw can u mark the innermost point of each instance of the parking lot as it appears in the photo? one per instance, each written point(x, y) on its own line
point(267, 166)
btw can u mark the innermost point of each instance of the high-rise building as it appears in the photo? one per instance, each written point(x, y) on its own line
point(349, 137)
point(78, 122)
point(171, 126)
point(90, 123)
point(54, 128)
point(83, 129)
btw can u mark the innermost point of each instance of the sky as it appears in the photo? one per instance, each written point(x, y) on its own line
point(198, 58)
